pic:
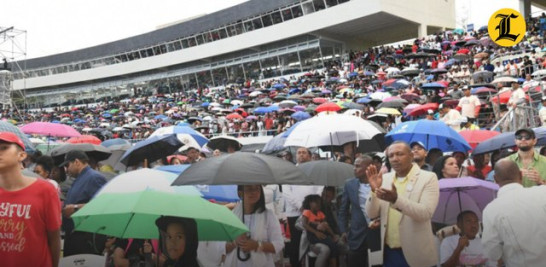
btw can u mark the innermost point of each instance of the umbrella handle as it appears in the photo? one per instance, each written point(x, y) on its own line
point(241, 258)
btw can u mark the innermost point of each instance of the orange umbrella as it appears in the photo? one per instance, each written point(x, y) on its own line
point(234, 116)
point(84, 139)
point(474, 137)
point(418, 111)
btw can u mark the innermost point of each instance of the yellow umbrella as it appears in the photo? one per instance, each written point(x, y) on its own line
point(388, 111)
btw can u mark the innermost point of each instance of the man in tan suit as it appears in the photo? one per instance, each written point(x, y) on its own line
point(405, 200)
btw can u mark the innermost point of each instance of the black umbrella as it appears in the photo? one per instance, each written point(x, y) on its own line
point(95, 152)
point(242, 168)
point(223, 142)
point(393, 104)
point(151, 149)
point(328, 173)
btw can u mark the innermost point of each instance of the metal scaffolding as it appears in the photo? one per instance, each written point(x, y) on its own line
point(13, 49)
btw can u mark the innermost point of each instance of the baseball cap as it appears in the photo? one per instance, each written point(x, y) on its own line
point(418, 143)
point(430, 112)
point(464, 120)
point(528, 131)
point(9, 137)
point(74, 155)
point(465, 87)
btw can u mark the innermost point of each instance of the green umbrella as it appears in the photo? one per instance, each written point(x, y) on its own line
point(114, 111)
point(133, 215)
point(227, 101)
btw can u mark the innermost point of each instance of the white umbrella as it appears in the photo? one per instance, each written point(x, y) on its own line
point(146, 179)
point(214, 104)
point(504, 79)
point(36, 141)
point(380, 95)
point(255, 94)
point(353, 112)
point(237, 102)
point(539, 73)
point(331, 130)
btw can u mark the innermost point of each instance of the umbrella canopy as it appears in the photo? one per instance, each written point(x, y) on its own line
point(223, 142)
point(8, 127)
point(185, 134)
point(477, 136)
point(50, 129)
point(459, 194)
point(146, 179)
point(133, 215)
point(328, 173)
point(234, 116)
point(420, 110)
point(433, 134)
point(96, 152)
point(388, 111)
point(288, 104)
point(331, 130)
point(504, 79)
point(152, 149)
point(85, 139)
point(242, 168)
point(300, 115)
point(434, 85)
point(114, 142)
point(393, 104)
point(328, 106)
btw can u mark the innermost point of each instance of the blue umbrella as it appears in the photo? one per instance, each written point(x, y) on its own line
point(206, 104)
point(273, 108)
point(78, 120)
point(152, 149)
point(363, 100)
point(160, 117)
point(222, 193)
point(261, 110)
point(294, 90)
point(106, 115)
point(182, 132)
point(113, 142)
point(279, 86)
point(433, 134)
point(507, 140)
point(300, 115)
point(277, 142)
point(353, 74)
point(183, 123)
point(433, 86)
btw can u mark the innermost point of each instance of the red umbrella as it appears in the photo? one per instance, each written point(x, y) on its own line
point(65, 115)
point(483, 90)
point(463, 51)
point(319, 100)
point(410, 97)
point(287, 110)
point(389, 82)
point(418, 111)
point(328, 106)
point(234, 116)
point(504, 97)
point(477, 136)
point(242, 112)
point(84, 139)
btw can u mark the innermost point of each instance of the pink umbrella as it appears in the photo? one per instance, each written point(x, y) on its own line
point(411, 107)
point(50, 129)
point(391, 98)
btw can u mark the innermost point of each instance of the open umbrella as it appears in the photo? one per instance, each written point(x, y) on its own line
point(421, 110)
point(146, 179)
point(185, 134)
point(114, 142)
point(8, 127)
point(151, 149)
point(459, 194)
point(84, 139)
point(328, 106)
point(388, 111)
point(133, 215)
point(242, 168)
point(49, 129)
point(328, 173)
point(507, 140)
point(433, 134)
point(331, 130)
point(223, 142)
point(300, 115)
point(92, 151)
point(477, 136)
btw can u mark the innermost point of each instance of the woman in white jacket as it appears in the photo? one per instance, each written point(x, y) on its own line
point(259, 246)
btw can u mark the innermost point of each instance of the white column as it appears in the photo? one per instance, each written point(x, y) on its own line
point(421, 30)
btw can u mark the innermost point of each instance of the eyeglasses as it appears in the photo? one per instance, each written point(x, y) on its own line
point(524, 137)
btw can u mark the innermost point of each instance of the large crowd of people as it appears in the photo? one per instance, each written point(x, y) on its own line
point(386, 208)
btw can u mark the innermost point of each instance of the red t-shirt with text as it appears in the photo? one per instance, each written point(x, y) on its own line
point(25, 217)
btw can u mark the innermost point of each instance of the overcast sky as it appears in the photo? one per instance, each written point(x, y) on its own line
point(56, 26)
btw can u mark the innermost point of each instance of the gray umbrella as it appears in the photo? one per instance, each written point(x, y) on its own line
point(242, 168)
point(397, 103)
point(8, 127)
point(328, 173)
point(93, 151)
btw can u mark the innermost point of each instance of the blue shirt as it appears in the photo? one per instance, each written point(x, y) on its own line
point(83, 189)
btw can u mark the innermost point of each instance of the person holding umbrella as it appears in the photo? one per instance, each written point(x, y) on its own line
point(265, 239)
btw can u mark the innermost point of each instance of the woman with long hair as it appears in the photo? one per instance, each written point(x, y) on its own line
point(178, 241)
point(446, 167)
point(259, 246)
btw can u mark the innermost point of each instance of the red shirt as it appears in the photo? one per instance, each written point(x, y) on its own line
point(25, 217)
point(268, 123)
point(317, 218)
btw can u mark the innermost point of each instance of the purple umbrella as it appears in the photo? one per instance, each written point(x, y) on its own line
point(459, 194)
point(298, 108)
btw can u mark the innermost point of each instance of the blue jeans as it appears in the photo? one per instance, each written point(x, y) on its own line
point(394, 258)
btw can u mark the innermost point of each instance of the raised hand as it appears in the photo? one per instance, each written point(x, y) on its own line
point(375, 177)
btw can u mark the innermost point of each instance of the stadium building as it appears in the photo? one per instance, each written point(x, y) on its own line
point(257, 39)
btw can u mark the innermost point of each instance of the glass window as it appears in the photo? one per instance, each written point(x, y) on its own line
point(144, 53)
point(185, 43)
point(204, 78)
point(223, 33)
point(310, 59)
point(267, 20)
point(248, 26)
point(239, 28)
point(319, 5)
point(287, 14)
point(257, 22)
point(308, 8)
point(177, 45)
point(235, 74)
point(330, 3)
point(206, 37)
point(276, 17)
point(252, 70)
point(215, 35)
point(297, 11)
point(192, 41)
point(200, 40)
point(290, 63)
point(270, 67)
point(220, 76)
